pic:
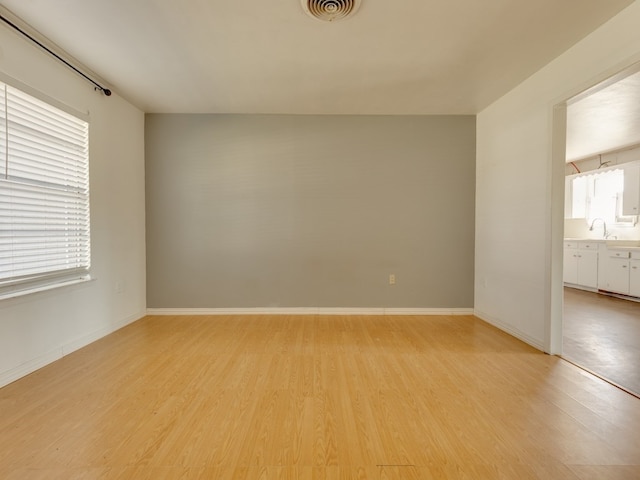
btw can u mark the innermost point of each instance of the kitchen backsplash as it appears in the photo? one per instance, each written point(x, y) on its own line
point(578, 228)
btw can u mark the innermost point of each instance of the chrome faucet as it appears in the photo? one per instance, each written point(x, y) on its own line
point(605, 234)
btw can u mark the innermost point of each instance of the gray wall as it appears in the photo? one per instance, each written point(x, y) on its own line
point(309, 211)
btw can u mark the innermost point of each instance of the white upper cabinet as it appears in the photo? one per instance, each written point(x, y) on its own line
point(631, 194)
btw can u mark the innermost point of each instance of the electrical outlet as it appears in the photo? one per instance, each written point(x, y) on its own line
point(392, 279)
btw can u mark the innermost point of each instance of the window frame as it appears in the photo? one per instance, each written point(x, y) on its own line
point(12, 285)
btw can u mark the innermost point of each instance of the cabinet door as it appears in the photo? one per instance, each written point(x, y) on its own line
point(631, 195)
point(588, 268)
point(618, 275)
point(634, 278)
point(570, 266)
point(603, 256)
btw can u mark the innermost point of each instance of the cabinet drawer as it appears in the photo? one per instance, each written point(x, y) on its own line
point(619, 253)
point(635, 255)
point(570, 244)
point(587, 246)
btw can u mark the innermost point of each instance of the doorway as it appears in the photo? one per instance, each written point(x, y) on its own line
point(601, 331)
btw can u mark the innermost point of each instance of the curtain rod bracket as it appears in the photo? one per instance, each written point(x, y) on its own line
point(106, 91)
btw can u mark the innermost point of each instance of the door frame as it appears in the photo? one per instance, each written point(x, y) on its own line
point(554, 298)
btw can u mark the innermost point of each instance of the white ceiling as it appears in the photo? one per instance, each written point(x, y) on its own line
point(257, 56)
point(606, 119)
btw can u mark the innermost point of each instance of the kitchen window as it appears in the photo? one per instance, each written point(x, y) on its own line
point(599, 195)
point(44, 195)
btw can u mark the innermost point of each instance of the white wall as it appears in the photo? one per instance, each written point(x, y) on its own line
point(519, 189)
point(39, 328)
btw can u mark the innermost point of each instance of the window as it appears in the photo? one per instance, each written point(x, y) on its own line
point(44, 195)
point(599, 195)
point(603, 195)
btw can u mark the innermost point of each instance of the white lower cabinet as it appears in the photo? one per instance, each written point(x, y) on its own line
point(593, 265)
point(634, 274)
point(623, 272)
point(588, 268)
point(570, 263)
point(581, 264)
point(617, 275)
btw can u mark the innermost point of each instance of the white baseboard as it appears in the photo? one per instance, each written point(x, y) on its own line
point(514, 332)
point(309, 311)
point(81, 342)
point(581, 287)
point(56, 354)
point(429, 311)
point(31, 366)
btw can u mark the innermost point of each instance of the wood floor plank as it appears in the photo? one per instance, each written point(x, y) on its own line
point(315, 397)
point(610, 472)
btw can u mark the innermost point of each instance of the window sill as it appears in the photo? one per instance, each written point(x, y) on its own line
point(44, 288)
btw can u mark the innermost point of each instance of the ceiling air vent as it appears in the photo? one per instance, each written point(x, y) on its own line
point(330, 10)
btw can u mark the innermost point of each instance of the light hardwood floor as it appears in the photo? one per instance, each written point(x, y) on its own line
point(312, 397)
point(602, 334)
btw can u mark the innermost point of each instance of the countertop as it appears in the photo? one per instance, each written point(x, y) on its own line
point(631, 245)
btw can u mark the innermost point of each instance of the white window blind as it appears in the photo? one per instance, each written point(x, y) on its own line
point(44, 195)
